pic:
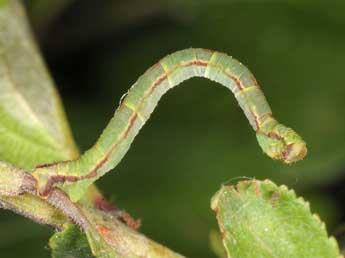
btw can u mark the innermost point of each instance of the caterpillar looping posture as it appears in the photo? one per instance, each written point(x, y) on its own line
point(276, 140)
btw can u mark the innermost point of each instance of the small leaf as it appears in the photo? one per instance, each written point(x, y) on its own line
point(260, 219)
point(70, 243)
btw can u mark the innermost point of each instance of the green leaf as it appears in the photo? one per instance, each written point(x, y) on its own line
point(260, 219)
point(70, 243)
point(33, 128)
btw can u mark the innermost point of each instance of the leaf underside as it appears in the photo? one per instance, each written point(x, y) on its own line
point(33, 128)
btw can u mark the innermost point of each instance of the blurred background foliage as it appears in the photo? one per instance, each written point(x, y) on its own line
point(198, 138)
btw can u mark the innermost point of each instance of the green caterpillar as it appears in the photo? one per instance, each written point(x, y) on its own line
point(276, 140)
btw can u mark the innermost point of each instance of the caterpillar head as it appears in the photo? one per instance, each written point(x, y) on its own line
point(282, 143)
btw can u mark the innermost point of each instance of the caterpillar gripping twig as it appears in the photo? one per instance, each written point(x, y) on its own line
point(276, 140)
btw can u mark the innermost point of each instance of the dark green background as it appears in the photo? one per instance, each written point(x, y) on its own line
point(198, 137)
